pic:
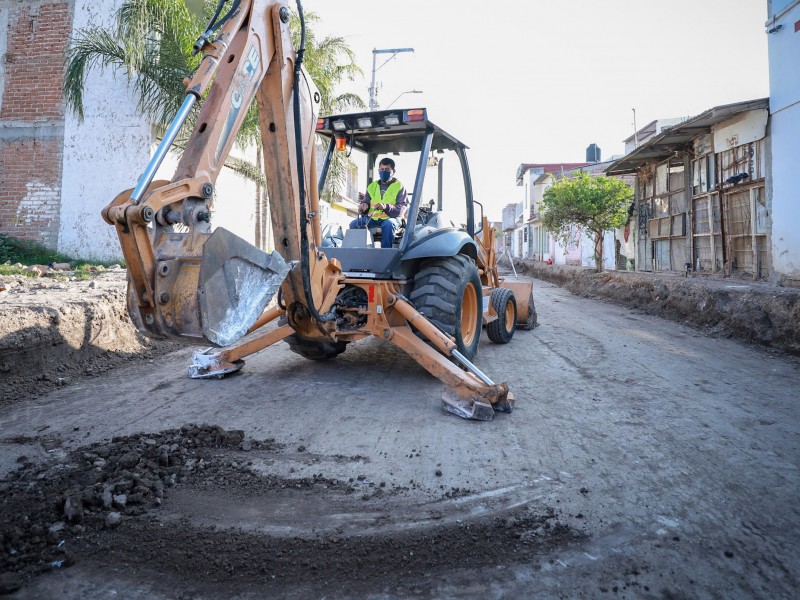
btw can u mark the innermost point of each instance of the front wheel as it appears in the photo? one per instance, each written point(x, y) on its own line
point(447, 291)
point(501, 330)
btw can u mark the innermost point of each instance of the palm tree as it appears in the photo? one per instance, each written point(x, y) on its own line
point(152, 46)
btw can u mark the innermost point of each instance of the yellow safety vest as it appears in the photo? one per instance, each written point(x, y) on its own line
point(388, 197)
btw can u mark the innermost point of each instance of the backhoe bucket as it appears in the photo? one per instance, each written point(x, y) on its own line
point(237, 281)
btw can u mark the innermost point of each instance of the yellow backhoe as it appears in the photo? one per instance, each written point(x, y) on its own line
point(429, 294)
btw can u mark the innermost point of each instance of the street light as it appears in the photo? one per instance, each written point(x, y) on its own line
point(373, 101)
point(403, 94)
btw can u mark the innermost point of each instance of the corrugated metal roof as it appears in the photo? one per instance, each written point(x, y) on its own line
point(675, 138)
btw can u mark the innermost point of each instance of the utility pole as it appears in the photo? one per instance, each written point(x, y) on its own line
point(635, 131)
point(373, 93)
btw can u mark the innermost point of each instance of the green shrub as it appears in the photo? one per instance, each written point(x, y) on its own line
point(25, 252)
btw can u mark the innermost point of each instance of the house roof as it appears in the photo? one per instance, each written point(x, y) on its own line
point(547, 168)
point(598, 167)
point(676, 138)
point(648, 129)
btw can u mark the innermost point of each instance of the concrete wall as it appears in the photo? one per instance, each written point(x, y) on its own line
point(103, 155)
point(782, 186)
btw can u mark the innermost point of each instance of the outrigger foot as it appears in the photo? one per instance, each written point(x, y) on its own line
point(472, 406)
point(208, 363)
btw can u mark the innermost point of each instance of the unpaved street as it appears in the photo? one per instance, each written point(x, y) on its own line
point(644, 459)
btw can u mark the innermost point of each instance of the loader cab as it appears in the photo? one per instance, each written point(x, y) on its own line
point(440, 219)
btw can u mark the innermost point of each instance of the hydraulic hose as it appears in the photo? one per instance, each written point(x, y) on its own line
point(213, 24)
point(301, 183)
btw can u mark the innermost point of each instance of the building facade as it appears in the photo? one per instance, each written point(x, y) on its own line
point(700, 201)
point(528, 238)
point(783, 40)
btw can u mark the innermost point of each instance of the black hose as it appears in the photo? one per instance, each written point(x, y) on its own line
point(227, 16)
point(218, 10)
point(301, 187)
point(213, 25)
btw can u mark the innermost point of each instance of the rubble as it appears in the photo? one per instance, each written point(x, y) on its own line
point(97, 486)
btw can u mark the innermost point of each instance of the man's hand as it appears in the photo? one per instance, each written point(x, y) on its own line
point(379, 206)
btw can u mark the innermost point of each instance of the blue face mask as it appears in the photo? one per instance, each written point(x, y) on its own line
point(385, 175)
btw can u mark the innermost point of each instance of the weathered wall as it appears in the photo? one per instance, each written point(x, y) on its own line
point(784, 84)
point(58, 172)
point(33, 36)
point(103, 155)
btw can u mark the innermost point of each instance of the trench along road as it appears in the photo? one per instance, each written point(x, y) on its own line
point(643, 459)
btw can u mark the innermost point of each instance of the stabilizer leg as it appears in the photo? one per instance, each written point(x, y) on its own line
point(465, 394)
point(207, 363)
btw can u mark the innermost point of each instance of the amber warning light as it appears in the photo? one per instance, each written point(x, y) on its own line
point(341, 143)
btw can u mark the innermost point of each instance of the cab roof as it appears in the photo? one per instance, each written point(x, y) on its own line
point(387, 131)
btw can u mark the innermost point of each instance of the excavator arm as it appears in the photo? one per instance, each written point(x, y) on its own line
point(190, 284)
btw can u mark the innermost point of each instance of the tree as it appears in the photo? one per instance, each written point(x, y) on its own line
point(593, 204)
point(152, 46)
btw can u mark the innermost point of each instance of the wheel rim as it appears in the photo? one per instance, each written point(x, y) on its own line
point(469, 314)
point(510, 316)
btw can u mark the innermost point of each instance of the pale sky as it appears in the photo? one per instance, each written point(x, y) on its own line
point(538, 81)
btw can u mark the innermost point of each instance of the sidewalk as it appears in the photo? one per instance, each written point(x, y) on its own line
point(754, 311)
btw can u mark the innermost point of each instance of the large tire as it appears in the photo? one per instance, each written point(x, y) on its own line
point(447, 291)
point(315, 350)
point(501, 330)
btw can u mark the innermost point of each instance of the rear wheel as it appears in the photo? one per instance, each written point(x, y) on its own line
point(501, 330)
point(447, 291)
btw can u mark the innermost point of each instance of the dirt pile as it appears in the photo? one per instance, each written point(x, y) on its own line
point(56, 329)
point(104, 504)
point(755, 312)
point(98, 486)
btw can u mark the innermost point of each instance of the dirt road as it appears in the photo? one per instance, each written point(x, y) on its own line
point(643, 459)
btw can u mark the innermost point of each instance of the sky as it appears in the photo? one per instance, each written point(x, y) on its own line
point(539, 80)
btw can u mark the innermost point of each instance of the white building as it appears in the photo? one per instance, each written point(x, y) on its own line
point(527, 238)
point(783, 35)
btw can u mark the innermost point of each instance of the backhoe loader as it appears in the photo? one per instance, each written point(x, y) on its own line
point(429, 294)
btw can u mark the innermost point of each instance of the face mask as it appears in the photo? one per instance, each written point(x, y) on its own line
point(385, 175)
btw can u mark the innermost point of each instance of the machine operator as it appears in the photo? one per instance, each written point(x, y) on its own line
point(384, 204)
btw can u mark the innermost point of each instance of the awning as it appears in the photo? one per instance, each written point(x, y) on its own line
point(676, 138)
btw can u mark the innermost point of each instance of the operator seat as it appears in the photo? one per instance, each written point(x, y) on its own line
point(377, 234)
